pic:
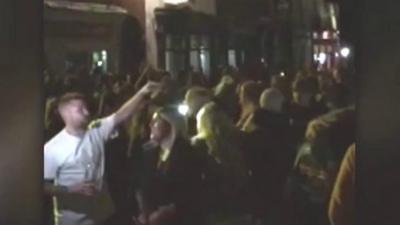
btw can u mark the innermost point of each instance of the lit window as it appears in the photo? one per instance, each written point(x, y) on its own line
point(325, 35)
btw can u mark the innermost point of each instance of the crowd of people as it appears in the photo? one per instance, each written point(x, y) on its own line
point(241, 151)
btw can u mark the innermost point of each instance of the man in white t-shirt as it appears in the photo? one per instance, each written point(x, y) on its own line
point(74, 159)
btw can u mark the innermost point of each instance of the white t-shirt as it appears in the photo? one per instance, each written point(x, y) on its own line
point(71, 160)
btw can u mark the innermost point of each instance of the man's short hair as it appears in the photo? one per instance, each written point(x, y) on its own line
point(251, 91)
point(68, 97)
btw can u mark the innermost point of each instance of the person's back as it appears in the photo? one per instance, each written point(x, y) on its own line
point(318, 158)
point(303, 107)
point(221, 142)
point(269, 152)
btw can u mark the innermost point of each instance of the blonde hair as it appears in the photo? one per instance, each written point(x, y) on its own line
point(196, 96)
point(220, 135)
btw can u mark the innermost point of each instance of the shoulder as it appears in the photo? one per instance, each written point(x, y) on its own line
point(53, 146)
point(96, 123)
point(54, 142)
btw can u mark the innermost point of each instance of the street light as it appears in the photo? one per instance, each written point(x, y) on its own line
point(345, 52)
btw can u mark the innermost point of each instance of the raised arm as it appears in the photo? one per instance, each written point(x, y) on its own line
point(136, 103)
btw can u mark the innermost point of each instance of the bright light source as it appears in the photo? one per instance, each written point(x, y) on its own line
point(183, 109)
point(100, 63)
point(325, 35)
point(175, 2)
point(345, 52)
point(282, 74)
point(322, 58)
point(337, 54)
point(104, 52)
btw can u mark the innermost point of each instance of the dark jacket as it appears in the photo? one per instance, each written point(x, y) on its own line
point(176, 181)
point(269, 156)
point(300, 117)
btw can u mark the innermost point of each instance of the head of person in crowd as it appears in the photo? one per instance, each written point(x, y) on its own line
point(195, 98)
point(249, 95)
point(303, 92)
point(220, 135)
point(281, 83)
point(325, 82)
point(74, 111)
point(167, 125)
point(226, 97)
point(271, 114)
point(116, 87)
point(272, 100)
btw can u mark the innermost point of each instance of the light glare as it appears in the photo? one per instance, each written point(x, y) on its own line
point(345, 52)
point(183, 109)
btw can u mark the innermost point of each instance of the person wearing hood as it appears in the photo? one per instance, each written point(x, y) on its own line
point(171, 179)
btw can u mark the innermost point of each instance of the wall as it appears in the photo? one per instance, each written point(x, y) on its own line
point(21, 131)
point(143, 10)
point(377, 60)
point(205, 6)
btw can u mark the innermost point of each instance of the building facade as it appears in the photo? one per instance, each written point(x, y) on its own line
point(180, 35)
point(315, 34)
point(81, 38)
